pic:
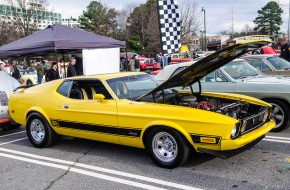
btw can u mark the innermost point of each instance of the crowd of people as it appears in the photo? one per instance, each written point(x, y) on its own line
point(132, 64)
point(44, 70)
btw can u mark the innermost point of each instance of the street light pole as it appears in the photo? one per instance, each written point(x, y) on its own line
point(204, 24)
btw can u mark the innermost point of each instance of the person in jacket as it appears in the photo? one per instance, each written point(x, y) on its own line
point(16, 73)
point(137, 63)
point(52, 73)
point(132, 64)
point(71, 71)
point(40, 71)
point(285, 49)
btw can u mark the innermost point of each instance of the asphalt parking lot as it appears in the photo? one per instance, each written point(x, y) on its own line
point(83, 164)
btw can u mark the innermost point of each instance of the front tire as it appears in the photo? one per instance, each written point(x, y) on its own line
point(167, 147)
point(39, 132)
point(281, 114)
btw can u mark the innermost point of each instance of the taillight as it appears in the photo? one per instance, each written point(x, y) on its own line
point(3, 98)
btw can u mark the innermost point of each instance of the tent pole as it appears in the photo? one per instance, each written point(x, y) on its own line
point(64, 73)
point(127, 69)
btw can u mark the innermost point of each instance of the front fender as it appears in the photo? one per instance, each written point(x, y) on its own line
point(169, 124)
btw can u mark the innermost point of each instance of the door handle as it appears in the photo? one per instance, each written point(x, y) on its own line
point(65, 106)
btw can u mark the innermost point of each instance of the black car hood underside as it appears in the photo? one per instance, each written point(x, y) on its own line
point(197, 70)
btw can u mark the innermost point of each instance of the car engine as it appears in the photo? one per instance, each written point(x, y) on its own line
point(235, 109)
point(232, 108)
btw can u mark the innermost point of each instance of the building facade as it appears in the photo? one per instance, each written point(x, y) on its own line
point(72, 22)
point(12, 10)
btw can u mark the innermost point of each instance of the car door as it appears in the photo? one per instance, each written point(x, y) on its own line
point(82, 116)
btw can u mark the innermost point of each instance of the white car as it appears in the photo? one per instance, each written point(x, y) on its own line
point(29, 77)
point(7, 85)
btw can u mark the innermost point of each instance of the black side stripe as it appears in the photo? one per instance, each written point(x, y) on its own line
point(99, 128)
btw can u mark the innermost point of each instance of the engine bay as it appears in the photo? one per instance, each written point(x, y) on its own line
point(232, 108)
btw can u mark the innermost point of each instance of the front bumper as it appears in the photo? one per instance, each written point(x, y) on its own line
point(229, 153)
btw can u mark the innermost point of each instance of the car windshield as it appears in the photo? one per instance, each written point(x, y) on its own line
point(240, 70)
point(131, 87)
point(279, 63)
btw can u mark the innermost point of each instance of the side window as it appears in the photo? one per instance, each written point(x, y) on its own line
point(265, 67)
point(64, 88)
point(209, 77)
point(178, 70)
point(86, 89)
point(215, 76)
point(219, 77)
point(255, 63)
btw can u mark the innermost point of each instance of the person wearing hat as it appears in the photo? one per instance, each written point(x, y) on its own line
point(2, 67)
point(52, 73)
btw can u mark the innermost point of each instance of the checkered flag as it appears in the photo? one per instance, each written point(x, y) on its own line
point(169, 25)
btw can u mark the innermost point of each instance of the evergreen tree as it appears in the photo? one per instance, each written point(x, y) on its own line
point(99, 19)
point(269, 19)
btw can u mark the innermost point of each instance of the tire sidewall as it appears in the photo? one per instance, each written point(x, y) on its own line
point(181, 145)
point(285, 109)
point(46, 139)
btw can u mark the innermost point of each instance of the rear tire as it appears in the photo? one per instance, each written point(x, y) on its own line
point(39, 132)
point(281, 114)
point(167, 147)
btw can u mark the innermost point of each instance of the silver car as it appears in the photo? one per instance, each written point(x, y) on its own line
point(7, 85)
point(269, 64)
point(241, 78)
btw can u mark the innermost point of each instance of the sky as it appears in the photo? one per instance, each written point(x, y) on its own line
point(220, 14)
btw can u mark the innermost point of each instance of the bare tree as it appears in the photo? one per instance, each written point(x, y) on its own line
point(189, 18)
point(124, 14)
point(26, 15)
point(247, 30)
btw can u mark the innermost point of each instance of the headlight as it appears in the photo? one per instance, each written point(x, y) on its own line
point(235, 131)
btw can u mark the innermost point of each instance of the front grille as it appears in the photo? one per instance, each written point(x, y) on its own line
point(255, 121)
point(3, 98)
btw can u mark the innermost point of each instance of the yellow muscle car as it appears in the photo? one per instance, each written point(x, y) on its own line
point(133, 109)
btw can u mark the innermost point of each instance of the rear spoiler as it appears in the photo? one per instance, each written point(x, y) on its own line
point(21, 87)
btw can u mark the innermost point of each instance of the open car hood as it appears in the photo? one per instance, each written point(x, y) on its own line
point(197, 70)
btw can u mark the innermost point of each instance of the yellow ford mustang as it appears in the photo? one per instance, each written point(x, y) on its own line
point(133, 109)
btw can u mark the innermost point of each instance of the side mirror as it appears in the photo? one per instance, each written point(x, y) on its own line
point(99, 97)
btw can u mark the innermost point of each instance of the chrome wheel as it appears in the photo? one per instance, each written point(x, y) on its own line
point(37, 130)
point(279, 115)
point(164, 147)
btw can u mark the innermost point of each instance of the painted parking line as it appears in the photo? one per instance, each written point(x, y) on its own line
point(73, 168)
point(12, 134)
point(100, 169)
point(274, 137)
point(277, 139)
point(13, 141)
